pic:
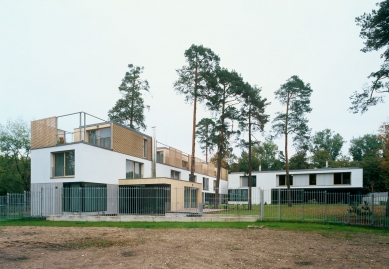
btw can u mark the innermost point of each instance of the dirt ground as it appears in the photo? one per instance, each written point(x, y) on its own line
point(57, 247)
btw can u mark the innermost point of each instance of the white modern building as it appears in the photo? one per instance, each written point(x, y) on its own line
point(306, 184)
point(74, 164)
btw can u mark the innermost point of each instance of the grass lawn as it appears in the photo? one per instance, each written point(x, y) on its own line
point(295, 226)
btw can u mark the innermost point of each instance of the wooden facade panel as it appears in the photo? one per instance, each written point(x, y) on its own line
point(44, 133)
point(150, 149)
point(127, 142)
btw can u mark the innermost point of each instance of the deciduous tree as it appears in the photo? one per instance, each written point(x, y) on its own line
point(15, 162)
point(329, 141)
point(362, 145)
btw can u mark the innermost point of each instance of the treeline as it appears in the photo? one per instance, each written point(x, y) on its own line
point(15, 162)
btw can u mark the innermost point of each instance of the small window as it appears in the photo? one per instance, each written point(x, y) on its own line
point(175, 174)
point(342, 178)
point(244, 181)
point(195, 178)
point(185, 165)
point(282, 181)
point(133, 169)
point(64, 164)
point(214, 184)
point(159, 156)
point(205, 183)
point(145, 147)
point(312, 179)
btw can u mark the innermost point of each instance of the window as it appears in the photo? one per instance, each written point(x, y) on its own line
point(342, 178)
point(238, 195)
point(312, 179)
point(175, 174)
point(244, 181)
point(185, 165)
point(190, 197)
point(133, 169)
point(145, 147)
point(214, 185)
point(159, 156)
point(195, 178)
point(205, 183)
point(282, 181)
point(100, 137)
point(64, 164)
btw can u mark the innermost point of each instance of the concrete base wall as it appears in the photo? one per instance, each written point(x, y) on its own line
point(129, 218)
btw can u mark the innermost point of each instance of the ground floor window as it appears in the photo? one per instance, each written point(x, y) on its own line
point(64, 164)
point(84, 197)
point(238, 195)
point(190, 197)
point(148, 200)
point(133, 169)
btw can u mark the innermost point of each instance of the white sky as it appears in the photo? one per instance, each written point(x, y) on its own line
point(59, 57)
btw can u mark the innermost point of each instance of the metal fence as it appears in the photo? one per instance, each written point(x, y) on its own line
point(14, 206)
point(304, 205)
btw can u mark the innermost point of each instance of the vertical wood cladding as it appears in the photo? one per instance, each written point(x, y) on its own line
point(43, 133)
point(129, 142)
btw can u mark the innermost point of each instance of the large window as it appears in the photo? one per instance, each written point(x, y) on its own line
point(239, 195)
point(175, 174)
point(244, 181)
point(342, 178)
point(133, 169)
point(101, 137)
point(205, 183)
point(282, 180)
point(312, 179)
point(64, 164)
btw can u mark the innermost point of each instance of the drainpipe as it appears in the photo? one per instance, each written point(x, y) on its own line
point(154, 153)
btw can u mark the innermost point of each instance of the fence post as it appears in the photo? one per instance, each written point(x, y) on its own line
point(279, 204)
point(262, 203)
point(79, 199)
point(302, 204)
point(348, 214)
point(372, 209)
point(325, 205)
point(24, 204)
point(41, 201)
point(7, 206)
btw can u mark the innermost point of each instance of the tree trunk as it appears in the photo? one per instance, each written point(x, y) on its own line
point(286, 156)
point(220, 152)
point(192, 166)
point(250, 182)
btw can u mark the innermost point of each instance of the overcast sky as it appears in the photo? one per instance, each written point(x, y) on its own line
point(59, 57)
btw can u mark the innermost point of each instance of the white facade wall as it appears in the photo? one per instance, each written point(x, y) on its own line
point(92, 164)
point(324, 179)
point(98, 165)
